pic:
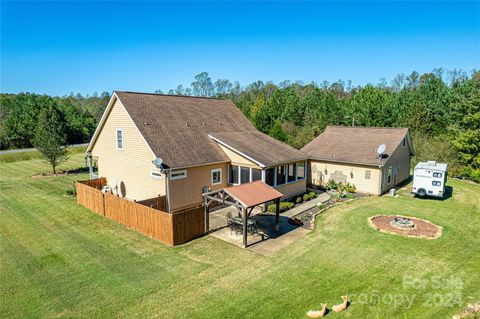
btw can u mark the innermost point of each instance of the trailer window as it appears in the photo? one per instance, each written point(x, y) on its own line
point(437, 174)
point(436, 183)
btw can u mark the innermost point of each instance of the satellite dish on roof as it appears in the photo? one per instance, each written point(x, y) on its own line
point(158, 162)
point(381, 149)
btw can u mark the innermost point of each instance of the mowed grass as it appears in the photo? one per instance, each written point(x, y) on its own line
point(60, 260)
point(24, 156)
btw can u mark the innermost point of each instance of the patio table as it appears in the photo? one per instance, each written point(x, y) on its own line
point(238, 220)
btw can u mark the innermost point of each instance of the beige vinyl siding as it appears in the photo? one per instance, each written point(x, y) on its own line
point(187, 192)
point(293, 188)
point(401, 159)
point(132, 165)
point(237, 159)
point(320, 173)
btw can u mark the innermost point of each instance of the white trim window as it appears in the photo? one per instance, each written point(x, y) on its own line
point(178, 174)
point(156, 174)
point(216, 175)
point(119, 136)
point(368, 174)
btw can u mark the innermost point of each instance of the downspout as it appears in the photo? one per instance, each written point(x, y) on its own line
point(90, 162)
point(167, 174)
point(381, 179)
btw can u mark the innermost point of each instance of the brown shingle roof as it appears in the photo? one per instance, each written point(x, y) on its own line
point(176, 127)
point(260, 147)
point(356, 145)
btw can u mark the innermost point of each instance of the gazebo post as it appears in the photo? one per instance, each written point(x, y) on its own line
point(244, 214)
point(207, 215)
point(277, 215)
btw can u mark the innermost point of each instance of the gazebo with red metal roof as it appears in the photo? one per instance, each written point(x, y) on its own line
point(244, 197)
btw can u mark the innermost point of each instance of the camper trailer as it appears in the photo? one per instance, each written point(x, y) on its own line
point(429, 179)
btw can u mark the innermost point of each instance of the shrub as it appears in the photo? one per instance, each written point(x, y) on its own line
point(71, 191)
point(298, 200)
point(472, 174)
point(305, 197)
point(312, 195)
point(331, 184)
point(283, 207)
point(351, 188)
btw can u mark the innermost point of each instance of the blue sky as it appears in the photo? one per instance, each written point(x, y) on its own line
point(62, 47)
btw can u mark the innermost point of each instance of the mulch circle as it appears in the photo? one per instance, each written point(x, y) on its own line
point(423, 228)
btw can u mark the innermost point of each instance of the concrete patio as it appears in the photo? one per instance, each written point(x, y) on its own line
point(266, 241)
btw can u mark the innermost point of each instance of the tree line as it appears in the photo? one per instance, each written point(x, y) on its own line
point(441, 109)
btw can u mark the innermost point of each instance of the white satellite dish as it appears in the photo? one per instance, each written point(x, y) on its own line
point(381, 149)
point(158, 162)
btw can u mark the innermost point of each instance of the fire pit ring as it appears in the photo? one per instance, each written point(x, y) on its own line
point(405, 226)
point(402, 223)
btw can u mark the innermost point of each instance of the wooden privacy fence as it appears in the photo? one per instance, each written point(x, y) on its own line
point(90, 196)
point(171, 229)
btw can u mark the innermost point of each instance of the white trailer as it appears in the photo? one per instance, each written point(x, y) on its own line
point(429, 179)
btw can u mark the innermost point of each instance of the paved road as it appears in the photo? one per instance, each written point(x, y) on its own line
point(22, 150)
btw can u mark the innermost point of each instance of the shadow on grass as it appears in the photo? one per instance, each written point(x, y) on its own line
point(74, 171)
point(448, 194)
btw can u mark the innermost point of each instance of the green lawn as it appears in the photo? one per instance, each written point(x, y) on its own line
point(23, 156)
point(61, 260)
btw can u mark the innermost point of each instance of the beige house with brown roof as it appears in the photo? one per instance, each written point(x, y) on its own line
point(150, 145)
point(349, 155)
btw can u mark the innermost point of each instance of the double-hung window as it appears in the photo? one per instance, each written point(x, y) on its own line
point(216, 176)
point(119, 139)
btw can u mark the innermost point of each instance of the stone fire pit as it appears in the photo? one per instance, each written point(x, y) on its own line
point(405, 226)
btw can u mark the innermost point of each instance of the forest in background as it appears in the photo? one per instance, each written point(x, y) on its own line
point(441, 109)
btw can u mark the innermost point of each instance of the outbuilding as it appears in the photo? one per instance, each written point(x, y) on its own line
point(350, 155)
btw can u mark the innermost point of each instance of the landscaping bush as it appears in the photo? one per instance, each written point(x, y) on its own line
point(331, 184)
point(283, 207)
point(351, 188)
point(298, 200)
point(345, 188)
point(305, 197)
point(312, 195)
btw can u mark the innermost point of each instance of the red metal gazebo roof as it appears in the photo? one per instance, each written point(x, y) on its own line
point(254, 193)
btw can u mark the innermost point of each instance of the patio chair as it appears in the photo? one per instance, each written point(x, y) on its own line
point(252, 228)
